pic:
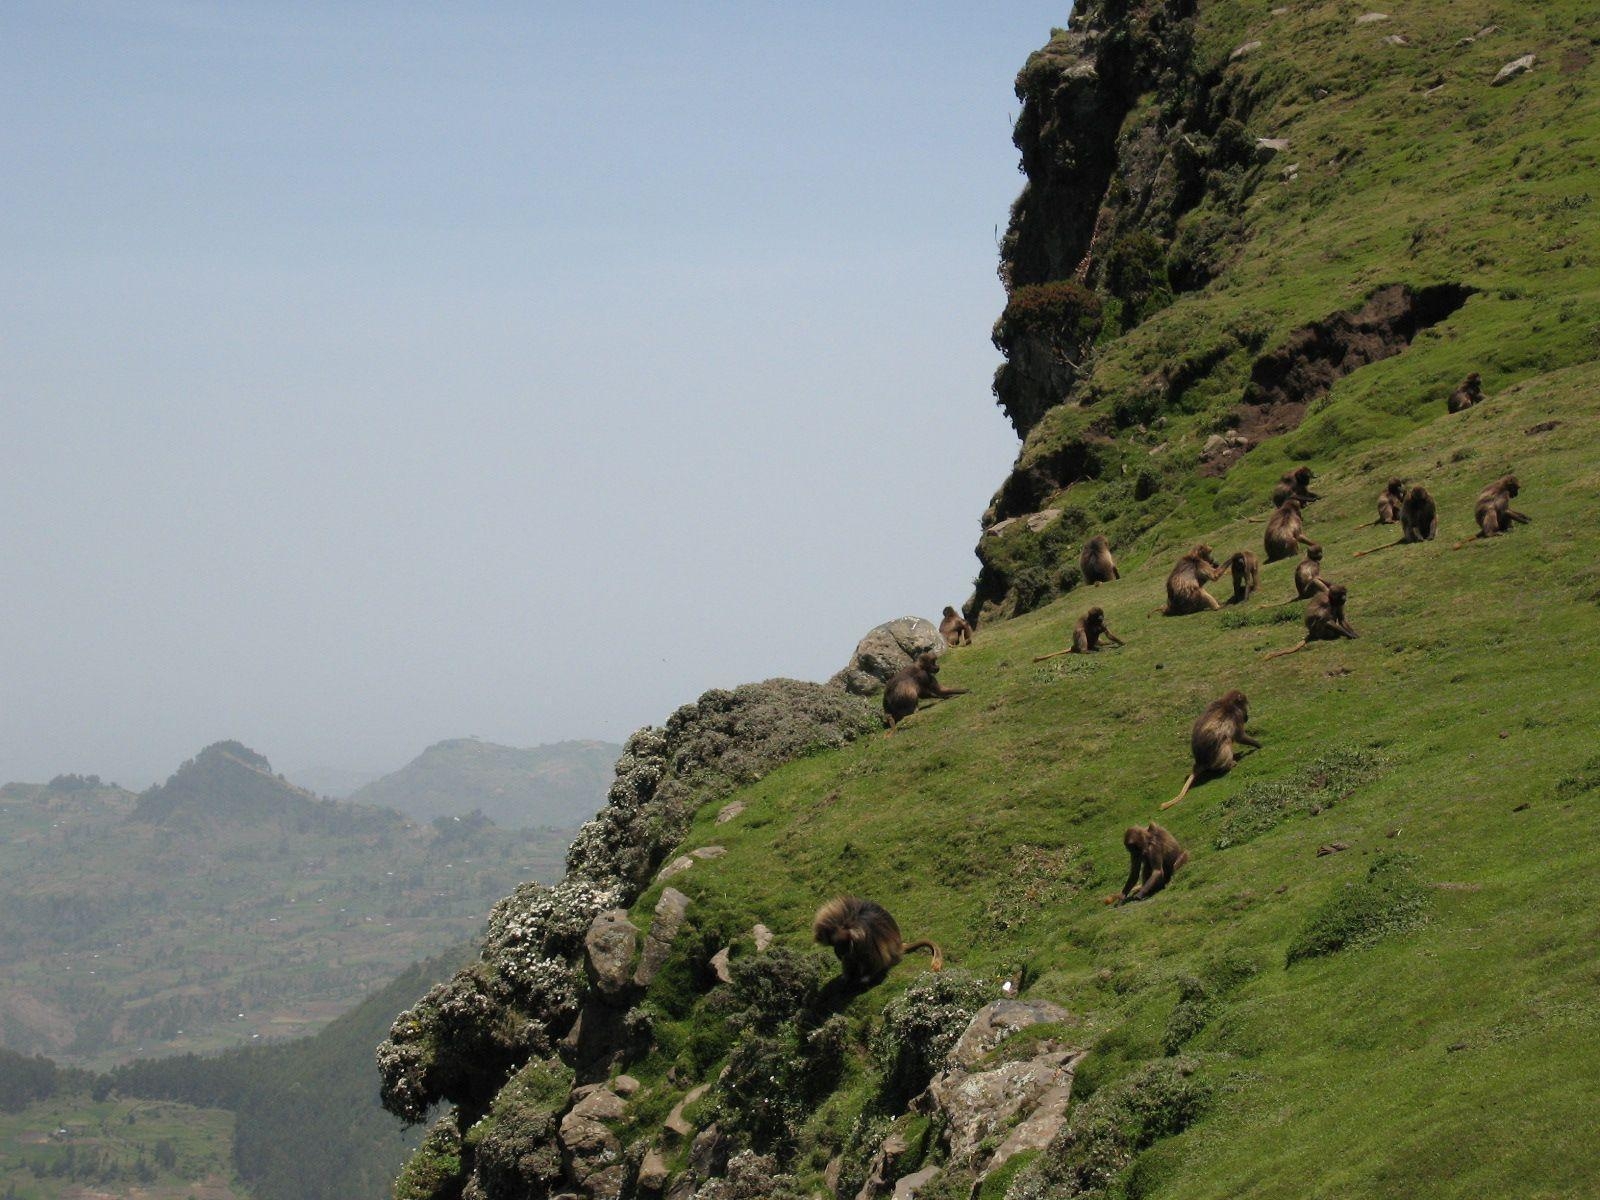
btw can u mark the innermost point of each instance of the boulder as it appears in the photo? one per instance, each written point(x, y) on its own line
point(888, 648)
point(676, 1123)
point(708, 1154)
point(719, 965)
point(676, 867)
point(670, 910)
point(1042, 519)
point(908, 1187)
point(999, 527)
point(1395, 39)
point(881, 1169)
point(1269, 148)
point(729, 811)
point(1369, 18)
point(1517, 66)
point(995, 1022)
point(1240, 51)
point(624, 1085)
point(977, 1106)
point(705, 853)
point(652, 1172)
point(608, 950)
point(762, 936)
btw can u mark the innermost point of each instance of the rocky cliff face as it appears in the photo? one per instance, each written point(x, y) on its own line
point(512, 1048)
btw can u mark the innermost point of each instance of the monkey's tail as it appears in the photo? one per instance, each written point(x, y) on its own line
point(1057, 654)
point(1281, 653)
point(938, 954)
point(1466, 542)
point(1375, 549)
point(1184, 791)
point(1281, 603)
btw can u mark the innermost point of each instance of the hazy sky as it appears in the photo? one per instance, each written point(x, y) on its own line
point(377, 373)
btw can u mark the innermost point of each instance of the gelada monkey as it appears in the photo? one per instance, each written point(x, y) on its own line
point(865, 938)
point(954, 628)
point(1154, 856)
point(1212, 738)
point(915, 683)
point(1086, 635)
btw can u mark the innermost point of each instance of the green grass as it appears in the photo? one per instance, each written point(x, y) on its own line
point(1438, 1031)
point(1471, 1043)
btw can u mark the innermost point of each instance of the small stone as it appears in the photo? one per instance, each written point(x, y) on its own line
point(1332, 848)
point(1486, 31)
point(670, 910)
point(909, 1187)
point(1241, 51)
point(676, 867)
point(1395, 39)
point(1267, 148)
point(719, 964)
point(676, 1123)
point(624, 1085)
point(1504, 735)
point(602, 1104)
point(1523, 807)
point(1517, 66)
point(653, 1171)
point(1369, 17)
point(730, 811)
point(762, 936)
point(1455, 1046)
point(1280, 12)
point(709, 852)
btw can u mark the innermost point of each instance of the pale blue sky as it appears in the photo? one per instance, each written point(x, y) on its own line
point(377, 373)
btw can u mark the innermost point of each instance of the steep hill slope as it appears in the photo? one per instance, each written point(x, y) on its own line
point(1376, 975)
point(148, 924)
point(559, 785)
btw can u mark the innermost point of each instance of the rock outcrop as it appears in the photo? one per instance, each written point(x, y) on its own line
point(887, 649)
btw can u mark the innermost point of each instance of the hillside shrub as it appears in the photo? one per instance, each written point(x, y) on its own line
point(1390, 900)
point(920, 1027)
point(1064, 313)
point(433, 1172)
point(1108, 1130)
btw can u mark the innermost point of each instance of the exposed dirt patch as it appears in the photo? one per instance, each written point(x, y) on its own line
point(1285, 382)
point(1575, 60)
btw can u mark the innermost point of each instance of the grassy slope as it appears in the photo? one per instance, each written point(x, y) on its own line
point(1351, 1087)
point(1496, 188)
point(1461, 1059)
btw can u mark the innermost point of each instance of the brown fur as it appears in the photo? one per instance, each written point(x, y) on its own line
point(1246, 575)
point(915, 683)
point(1096, 563)
point(1186, 585)
point(1419, 521)
point(1308, 573)
point(1295, 483)
point(1212, 738)
point(1325, 620)
point(1086, 635)
point(1285, 531)
point(1389, 502)
point(1493, 510)
point(954, 628)
point(865, 938)
point(1154, 856)
point(1419, 516)
point(1091, 627)
point(1464, 397)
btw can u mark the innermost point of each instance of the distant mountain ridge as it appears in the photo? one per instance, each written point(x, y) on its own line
point(560, 785)
point(225, 906)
